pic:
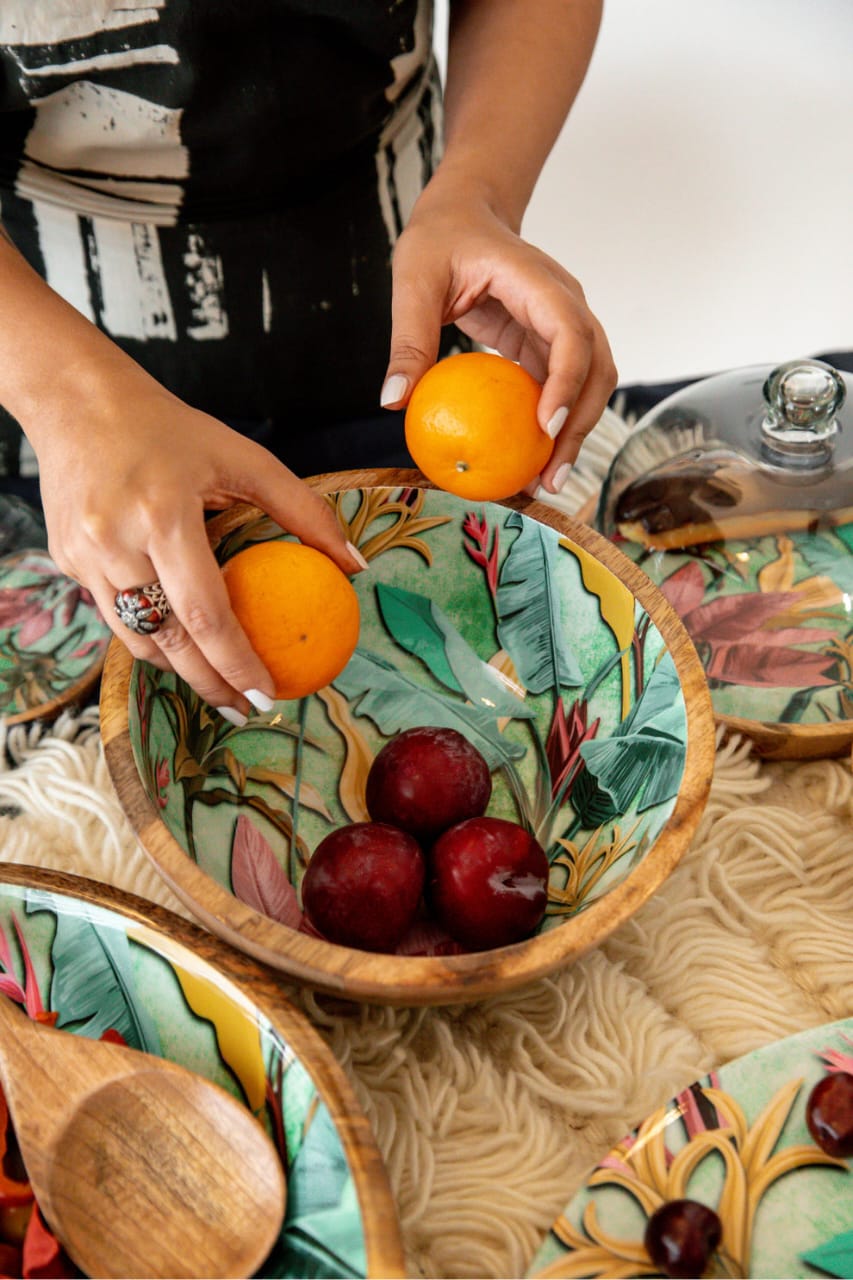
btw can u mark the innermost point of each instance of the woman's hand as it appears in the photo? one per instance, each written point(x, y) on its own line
point(125, 481)
point(127, 472)
point(458, 261)
point(513, 70)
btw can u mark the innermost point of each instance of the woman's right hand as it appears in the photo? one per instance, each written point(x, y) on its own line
point(126, 477)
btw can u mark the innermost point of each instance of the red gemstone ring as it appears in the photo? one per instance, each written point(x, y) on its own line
point(143, 609)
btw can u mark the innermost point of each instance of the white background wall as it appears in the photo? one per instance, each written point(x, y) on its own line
point(702, 189)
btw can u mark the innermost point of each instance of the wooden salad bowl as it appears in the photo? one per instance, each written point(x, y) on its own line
point(104, 963)
point(183, 778)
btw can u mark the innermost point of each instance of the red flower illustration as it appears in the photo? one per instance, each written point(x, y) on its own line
point(564, 743)
point(477, 530)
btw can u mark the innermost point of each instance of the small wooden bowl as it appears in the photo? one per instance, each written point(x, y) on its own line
point(53, 640)
point(208, 802)
point(103, 959)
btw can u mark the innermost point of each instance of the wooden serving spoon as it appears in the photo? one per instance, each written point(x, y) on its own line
point(140, 1167)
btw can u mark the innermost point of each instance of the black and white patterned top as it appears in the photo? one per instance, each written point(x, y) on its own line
point(218, 186)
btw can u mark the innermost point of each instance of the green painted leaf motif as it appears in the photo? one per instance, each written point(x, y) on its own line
point(643, 758)
point(530, 626)
point(659, 708)
point(412, 621)
point(420, 627)
point(92, 981)
point(618, 769)
point(835, 1257)
point(845, 533)
point(394, 703)
point(821, 554)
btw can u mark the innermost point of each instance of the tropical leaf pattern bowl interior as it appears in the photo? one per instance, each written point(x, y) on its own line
point(101, 963)
point(53, 640)
point(531, 635)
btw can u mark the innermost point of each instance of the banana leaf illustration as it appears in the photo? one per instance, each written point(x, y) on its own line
point(322, 1232)
point(394, 703)
point(420, 627)
point(643, 758)
point(821, 555)
point(92, 982)
point(835, 1257)
point(530, 626)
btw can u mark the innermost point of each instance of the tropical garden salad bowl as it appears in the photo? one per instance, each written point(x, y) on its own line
point(102, 963)
point(523, 629)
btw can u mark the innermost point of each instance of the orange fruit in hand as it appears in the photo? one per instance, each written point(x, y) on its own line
point(471, 426)
point(299, 610)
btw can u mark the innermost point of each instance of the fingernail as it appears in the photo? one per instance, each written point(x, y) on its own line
point(260, 700)
point(555, 422)
point(561, 475)
point(357, 556)
point(233, 716)
point(394, 389)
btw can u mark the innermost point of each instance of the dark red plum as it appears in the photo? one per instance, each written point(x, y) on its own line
point(362, 886)
point(681, 1237)
point(487, 882)
point(829, 1114)
point(426, 780)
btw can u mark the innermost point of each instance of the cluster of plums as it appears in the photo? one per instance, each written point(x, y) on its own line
point(428, 848)
point(682, 1235)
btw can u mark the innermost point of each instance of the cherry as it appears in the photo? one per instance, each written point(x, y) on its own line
point(362, 886)
point(681, 1236)
point(487, 882)
point(426, 780)
point(829, 1113)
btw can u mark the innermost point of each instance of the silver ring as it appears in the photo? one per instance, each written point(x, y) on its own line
point(143, 609)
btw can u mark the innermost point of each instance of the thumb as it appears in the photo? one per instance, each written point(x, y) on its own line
point(416, 318)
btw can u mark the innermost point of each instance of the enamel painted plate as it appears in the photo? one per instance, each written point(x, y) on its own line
point(736, 1141)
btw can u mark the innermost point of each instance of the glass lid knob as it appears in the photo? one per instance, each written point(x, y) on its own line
point(802, 400)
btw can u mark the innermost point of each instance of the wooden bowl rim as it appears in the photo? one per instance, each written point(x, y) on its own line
point(418, 980)
point(264, 989)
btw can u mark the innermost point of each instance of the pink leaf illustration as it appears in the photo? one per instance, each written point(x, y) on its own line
point(753, 664)
point(35, 626)
point(16, 604)
point(12, 988)
point(729, 618)
point(837, 1059)
point(34, 1004)
point(685, 588)
point(257, 877)
point(794, 635)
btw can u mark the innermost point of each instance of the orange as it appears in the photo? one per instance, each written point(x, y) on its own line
point(471, 426)
point(299, 610)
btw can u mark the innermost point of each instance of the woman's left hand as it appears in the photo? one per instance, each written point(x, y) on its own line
point(458, 261)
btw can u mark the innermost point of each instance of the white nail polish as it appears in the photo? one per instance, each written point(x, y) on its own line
point(356, 555)
point(555, 422)
point(561, 475)
point(233, 716)
point(395, 388)
point(260, 700)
